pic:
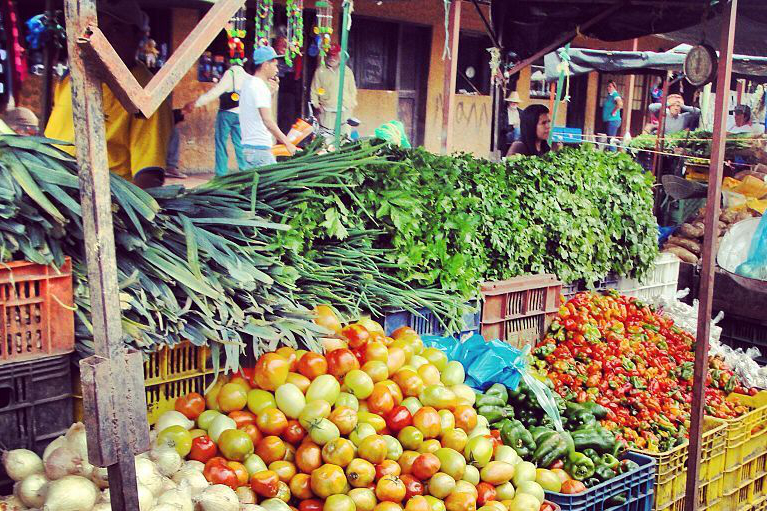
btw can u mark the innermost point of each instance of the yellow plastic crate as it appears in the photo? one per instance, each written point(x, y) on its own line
point(168, 374)
point(746, 436)
point(671, 469)
point(709, 498)
point(760, 505)
point(744, 497)
point(749, 470)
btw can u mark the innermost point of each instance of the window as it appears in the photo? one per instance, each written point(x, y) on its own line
point(538, 87)
point(373, 53)
point(473, 65)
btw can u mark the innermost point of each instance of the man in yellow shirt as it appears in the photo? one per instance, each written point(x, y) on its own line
point(324, 92)
point(137, 146)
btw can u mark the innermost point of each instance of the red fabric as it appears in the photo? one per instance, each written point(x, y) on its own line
point(334, 50)
point(15, 51)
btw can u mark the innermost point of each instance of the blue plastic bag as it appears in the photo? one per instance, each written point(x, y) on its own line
point(755, 266)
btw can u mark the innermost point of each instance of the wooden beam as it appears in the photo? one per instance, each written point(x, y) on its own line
point(450, 73)
point(628, 104)
point(566, 38)
point(124, 85)
point(710, 239)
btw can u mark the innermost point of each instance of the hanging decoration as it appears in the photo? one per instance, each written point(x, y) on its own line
point(295, 36)
point(235, 31)
point(496, 74)
point(323, 32)
point(264, 21)
point(446, 49)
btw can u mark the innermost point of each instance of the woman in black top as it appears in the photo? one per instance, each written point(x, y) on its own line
point(535, 126)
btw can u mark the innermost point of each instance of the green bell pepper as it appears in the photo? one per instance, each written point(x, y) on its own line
point(579, 466)
point(591, 482)
point(514, 434)
point(597, 438)
point(582, 419)
point(550, 447)
point(608, 460)
point(489, 400)
point(494, 414)
point(626, 466)
point(592, 454)
point(498, 390)
point(597, 410)
point(617, 500)
point(538, 431)
point(604, 473)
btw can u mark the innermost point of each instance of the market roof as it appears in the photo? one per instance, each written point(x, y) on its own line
point(584, 61)
point(530, 25)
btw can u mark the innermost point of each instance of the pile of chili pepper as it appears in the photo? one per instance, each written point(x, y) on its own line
point(636, 363)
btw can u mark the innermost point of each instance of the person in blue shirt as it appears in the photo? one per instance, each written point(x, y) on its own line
point(611, 110)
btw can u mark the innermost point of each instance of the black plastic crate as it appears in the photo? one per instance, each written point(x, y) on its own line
point(35, 406)
point(743, 333)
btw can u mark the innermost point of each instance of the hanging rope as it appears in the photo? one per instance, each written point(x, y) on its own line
point(446, 50)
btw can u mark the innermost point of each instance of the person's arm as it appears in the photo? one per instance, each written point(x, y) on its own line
point(516, 149)
point(266, 116)
point(618, 104)
point(654, 108)
point(352, 89)
point(314, 91)
point(690, 110)
point(221, 87)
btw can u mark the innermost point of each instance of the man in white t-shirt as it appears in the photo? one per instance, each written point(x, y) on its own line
point(256, 121)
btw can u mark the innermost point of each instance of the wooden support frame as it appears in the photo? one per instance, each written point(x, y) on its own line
point(705, 295)
point(113, 391)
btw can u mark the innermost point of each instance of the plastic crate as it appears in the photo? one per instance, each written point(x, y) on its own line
point(760, 505)
point(705, 502)
point(426, 323)
point(519, 311)
point(637, 485)
point(749, 470)
point(746, 436)
point(661, 280)
point(744, 333)
point(671, 467)
point(742, 498)
point(36, 311)
point(35, 405)
point(168, 374)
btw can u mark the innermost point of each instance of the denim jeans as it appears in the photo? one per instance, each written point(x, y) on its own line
point(612, 128)
point(228, 124)
point(257, 157)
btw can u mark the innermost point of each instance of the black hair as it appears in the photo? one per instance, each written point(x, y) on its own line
point(609, 82)
point(745, 110)
point(529, 127)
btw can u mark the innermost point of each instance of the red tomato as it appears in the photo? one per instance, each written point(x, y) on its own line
point(253, 432)
point(356, 335)
point(203, 449)
point(271, 371)
point(465, 417)
point(240, 471)
point(294, 433)
point(272, 421)
point(312, 365)
point(381, 401)
point(485, 493)
point(271, 449)
point(191, 405)
point(412, 486)
point(308, 457)
point(460, 501)
point(360, 354)
point(398, 418)
point(391, 489)
point(341, 361)
point(426, 420)
point(265, 483)
point(288, 354)
point(425, 466)
point(572, 486)
point(218, 472)
point(310, 505)
point(387, 468)
point(242, 417)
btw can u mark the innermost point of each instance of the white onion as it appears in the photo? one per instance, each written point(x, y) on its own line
point(100, 477)
point(148, 475)
point(168, 484)
point(105, 496)
point(181, 497)
point(251, 507)
point(192, 478)
point(245, 495)
point(166, 507)
point(167, 459)
point(145, 498)
point(62, 440)
point(62, 462)
point(77, 440)
point(218, 498)
point(71, 493)
point(20, 463)
point(86, 470)
point(173, 418)
point(102, 506)
point(193, 465)
point(31, 490)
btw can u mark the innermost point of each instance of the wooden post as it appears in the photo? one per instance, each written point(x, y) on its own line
point(346, 20)
point(628, 104)
point(657, 160)
point(740, 88)
point(50, 55)
point(705, 294)
point(451, 70)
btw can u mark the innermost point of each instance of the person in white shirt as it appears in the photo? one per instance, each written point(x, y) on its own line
point(227, 90)
point(256, 121)
point(743, 123)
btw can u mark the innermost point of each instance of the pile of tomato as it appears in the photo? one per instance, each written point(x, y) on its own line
point(377, 423)
point(622, 354)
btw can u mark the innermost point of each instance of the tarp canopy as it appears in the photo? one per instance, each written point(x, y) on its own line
point(750, 30)
point(584, 61)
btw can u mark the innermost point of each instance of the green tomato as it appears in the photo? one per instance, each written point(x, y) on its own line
point(348, 400)
point(507, 454)
point(453, 373)
point(177, 437)
point(532, 488)
point(323, 431)
point(254, 464)
point(394, 448)
point(259, 400)
point(412, 404)
point(524, 471)
point(359, 383)
point(290, 400)
point(313, 411)
point(505, 491)
point(441, 485)
point(235, 445)
point(453, 463)
point(436, 357)
point(410, 438)
point(524, 502)
point(435, 504)
point(471, 475)
point(479, 451)
point(325, 387)
point(219, 425)
point(417, 361)
point(361, 431)
point(206, 418)
point(438, 396)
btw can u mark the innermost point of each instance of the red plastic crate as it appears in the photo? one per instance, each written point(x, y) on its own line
point(519, 311)
point(36, 311)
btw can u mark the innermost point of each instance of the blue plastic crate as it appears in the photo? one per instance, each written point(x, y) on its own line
point(567, 135)
point(426, 323)
point(637, 485)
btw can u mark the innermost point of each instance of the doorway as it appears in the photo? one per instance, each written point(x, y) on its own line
point(412, 77)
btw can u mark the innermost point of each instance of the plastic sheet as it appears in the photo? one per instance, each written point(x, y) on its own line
point(755, 266)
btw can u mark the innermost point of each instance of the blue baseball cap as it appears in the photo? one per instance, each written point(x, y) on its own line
point(264, 54)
